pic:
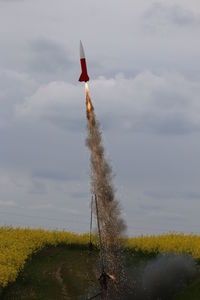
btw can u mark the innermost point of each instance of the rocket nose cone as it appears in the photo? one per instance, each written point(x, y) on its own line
point(82, 54)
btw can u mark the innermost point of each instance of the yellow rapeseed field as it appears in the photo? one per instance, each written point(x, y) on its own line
point(178, 243)
point(17, 244)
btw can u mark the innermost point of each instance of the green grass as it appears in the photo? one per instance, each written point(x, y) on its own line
point(54, 273)
point(191, 292)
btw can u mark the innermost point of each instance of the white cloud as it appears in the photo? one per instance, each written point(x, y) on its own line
point(49, 98)
point(161, 103)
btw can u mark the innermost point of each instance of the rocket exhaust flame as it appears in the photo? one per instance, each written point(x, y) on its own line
point(89, 106)
point(86, 89)
point(112, 226)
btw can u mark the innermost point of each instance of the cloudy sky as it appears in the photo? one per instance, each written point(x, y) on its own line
point(144, 64)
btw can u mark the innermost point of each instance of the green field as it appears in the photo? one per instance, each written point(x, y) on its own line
point(190, 292)
point(55, 273)
point(58, 273)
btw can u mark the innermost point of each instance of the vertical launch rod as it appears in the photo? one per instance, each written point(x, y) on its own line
point(99, 231)
point(91, 220)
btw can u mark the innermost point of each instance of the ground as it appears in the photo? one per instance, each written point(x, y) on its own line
point(55, 273)
point(58, 273)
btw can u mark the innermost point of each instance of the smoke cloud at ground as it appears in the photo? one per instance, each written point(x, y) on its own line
point(161, 277)
point(111, 224)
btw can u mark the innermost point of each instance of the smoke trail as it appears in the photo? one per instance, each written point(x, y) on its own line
point(111, 224)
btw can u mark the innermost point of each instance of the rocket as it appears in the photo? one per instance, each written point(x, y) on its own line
point(84, 75)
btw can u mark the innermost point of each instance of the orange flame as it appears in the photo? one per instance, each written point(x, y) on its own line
point(88, 101)
point(112, 277)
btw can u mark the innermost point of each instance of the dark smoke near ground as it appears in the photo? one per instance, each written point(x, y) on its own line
point(160, 278)
point(111, 224)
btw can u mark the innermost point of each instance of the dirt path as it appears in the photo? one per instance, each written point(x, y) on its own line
point(59, 278)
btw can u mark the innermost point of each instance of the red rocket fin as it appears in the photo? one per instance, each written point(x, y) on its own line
point(84, 77)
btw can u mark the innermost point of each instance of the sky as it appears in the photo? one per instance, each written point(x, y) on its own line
point(144, 63)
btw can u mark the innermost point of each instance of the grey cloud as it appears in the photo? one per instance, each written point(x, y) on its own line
point(80, 195)
point(158, 106)
point(153, 208)
point(56, 175)
point(67, 123)
point(42, 151)
point(37, 187)
point(160, 15)
point(14, 87)
point(150, 207)
point(174, 124)
point(49, 59)
point(11, 1)
point(192, 195)
point(156, 195)
point(170, 195)
point(8, 203)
